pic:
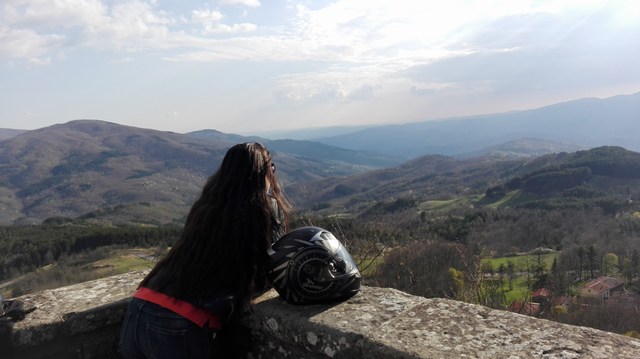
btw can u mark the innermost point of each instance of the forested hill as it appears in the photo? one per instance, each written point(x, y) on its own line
point(605, 177)
point(96, 168)
point(105, 172)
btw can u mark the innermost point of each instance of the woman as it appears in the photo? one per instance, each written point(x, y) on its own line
point(219, 262)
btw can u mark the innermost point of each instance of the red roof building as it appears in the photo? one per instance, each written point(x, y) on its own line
point(528, 308)
point(542, 293)
point(601, 288)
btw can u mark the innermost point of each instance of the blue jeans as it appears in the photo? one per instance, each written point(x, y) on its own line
point(150, 331)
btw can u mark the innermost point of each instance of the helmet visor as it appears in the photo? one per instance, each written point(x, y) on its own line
point(340, 262)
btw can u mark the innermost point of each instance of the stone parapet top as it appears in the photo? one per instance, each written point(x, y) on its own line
point(387, 323)
point(78, 308)
point(83, 321)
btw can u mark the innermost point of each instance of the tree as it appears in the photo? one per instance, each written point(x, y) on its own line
point(501, 270)
point(511, 272)
point(539, 275)
point(48, 257)
point(581, 254)
point(423, 216)
point(591, 259)
point(609, 262)
point(626, 270)
point(635, 264)
point(423, 268)
point(487, 268)
point(457, 278)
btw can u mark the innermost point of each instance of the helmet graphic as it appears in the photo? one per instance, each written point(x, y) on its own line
point(309, 265)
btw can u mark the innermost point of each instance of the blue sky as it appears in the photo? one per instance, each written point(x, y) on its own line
point(249, 66)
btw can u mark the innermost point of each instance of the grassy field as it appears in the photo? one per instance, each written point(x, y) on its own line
point(479, 200)
point(447, 205)
point(523, 268)
point(80, 269)
point(120, 264)
point(511, 196)
point(521, 263)
point(519, 288)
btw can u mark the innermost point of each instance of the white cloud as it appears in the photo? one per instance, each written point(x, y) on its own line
point(206, 16)
point(231, 29)
point(56, 26)
point(48, 15)
point(211, 23)
point(396, 34)
point(249, 3)
point(130, 26)
point(419, 47)
point(28, 45)
point(356, 31)
point(341, 85)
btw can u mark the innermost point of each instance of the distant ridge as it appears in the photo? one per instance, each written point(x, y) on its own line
point(6, 133)
point(588, 122)
point(309, 149)
point(311, 133)
point(525, 148)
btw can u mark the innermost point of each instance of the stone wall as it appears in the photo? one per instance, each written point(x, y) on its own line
point(79, 321)
point(83, 321)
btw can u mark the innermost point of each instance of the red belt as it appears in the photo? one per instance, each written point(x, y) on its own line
point(189, 311)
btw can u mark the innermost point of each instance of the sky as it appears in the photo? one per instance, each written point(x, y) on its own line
point(250, 66)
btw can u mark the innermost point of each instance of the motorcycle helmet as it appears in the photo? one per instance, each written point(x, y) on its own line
point(309, 265)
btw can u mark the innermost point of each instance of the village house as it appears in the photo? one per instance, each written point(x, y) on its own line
point(601, 288)
point(541, 295)
point(527, 308)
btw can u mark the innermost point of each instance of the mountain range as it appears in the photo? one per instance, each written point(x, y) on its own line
point(105, 172)
point(583, 123)
point(607, 177)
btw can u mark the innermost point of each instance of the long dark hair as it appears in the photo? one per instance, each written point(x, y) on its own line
point(229, 227)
